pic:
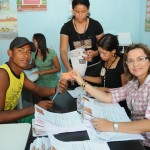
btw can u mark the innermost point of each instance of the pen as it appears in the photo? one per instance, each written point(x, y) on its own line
point(56, 93)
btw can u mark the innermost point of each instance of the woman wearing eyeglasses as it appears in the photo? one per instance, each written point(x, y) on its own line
point(136, 92)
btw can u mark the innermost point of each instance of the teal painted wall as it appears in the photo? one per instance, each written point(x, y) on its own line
point(115, 16)
point(144, 37)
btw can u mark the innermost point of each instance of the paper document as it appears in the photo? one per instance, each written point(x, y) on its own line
point(57, 123)
point(77, 60)
point(76, 92)
point(30, 75)
point(55, 129)
point(42, 143)
point(54, 123)
point(78, 145)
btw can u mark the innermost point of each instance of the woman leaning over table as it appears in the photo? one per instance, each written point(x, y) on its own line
point(81, 32)
point(136, 92)
point(112, 72)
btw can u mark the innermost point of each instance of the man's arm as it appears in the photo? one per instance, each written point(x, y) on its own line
point(13, 115)
point(97, 80)
point(9, 115)
point(37, 90)
point(43, 91)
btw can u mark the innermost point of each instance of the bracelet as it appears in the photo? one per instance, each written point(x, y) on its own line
point(83, 85)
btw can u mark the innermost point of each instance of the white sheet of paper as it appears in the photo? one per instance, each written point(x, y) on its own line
point(114, 113)
point(42, 143)
point(73, 121)
point(57, 122)
point(78, 145)
point(30, 76)
point(76, 92)
point(78, 62)
point(54, 129)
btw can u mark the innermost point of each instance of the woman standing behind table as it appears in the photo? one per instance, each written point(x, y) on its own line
point(81, 32)
point(46, 61)
point(136, 92)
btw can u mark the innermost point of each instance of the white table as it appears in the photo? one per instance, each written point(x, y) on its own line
point(14, 136)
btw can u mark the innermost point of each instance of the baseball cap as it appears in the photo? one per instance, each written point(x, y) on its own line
point(21, 41)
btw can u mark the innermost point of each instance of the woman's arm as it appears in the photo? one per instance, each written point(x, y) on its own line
point(136, 127)
point(97, 80)
point(64, 41)
point(99, 36)
point(100, 95)
point(53, 70)
point(13, 115)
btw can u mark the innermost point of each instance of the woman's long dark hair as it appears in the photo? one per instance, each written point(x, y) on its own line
point(109, 42)
point(41, 41)
point(82, 2)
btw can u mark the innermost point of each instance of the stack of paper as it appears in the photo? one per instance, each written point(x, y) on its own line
point(112, 112)
point(56, 123)
point(38, 123)
point(78, 145)
point(42, 143)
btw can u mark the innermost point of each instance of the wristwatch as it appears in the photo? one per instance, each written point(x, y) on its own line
point(116, 126)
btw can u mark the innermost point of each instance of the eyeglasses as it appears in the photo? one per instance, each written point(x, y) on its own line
point(139, 60)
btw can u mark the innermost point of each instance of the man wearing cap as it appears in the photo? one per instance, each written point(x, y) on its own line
point(13, 79)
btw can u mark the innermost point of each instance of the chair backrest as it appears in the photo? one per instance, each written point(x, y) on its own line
point(124, 39)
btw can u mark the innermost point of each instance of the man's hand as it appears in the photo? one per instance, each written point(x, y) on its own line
point(46, 104)
point(63, 84)
point(76, 75)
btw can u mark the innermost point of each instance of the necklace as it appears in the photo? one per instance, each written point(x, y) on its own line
point(81, 40)
point(104, 70)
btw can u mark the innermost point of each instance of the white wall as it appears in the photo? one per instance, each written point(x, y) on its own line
point(114, 15)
